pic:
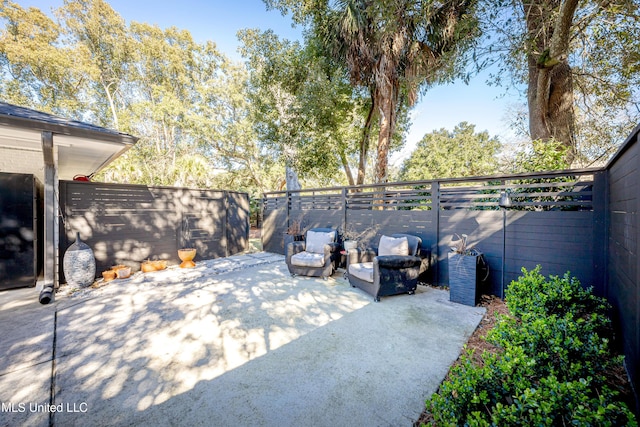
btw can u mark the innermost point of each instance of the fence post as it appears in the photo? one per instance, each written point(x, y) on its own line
point(503, 267)
point(226, 223)
point(288, 207)
point(344, 209)
point(599, 200)
point(435, 251)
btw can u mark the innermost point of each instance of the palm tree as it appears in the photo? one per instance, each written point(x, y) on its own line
point(395, 47)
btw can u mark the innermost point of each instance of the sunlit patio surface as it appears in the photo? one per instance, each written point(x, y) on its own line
point(234, 341)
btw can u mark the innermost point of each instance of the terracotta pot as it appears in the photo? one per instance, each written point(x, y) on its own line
point(108, 275)
point(159, 265)
point(147, 267)
point(186, 256)
point(122, 271)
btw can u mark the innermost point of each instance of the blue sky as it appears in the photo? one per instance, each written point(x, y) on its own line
point(219, 21)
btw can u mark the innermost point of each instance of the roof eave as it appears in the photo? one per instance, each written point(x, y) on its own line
point(110, 137)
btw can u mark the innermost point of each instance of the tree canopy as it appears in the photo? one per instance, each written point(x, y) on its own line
point(185, 100)
point(298, 109)
point(390, 48)
point(579, 64)
point(448, 154)
point(311, 108)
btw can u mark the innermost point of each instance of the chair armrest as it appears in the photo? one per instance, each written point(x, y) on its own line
point(334, 247)
point(356, 256)
point(398, 261)
point(296, 247)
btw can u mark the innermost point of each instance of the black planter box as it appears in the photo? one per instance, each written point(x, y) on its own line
point(465, 273)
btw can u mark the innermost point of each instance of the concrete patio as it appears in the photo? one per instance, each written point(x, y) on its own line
point(235, 341)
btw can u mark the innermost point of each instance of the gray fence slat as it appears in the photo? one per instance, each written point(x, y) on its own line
point(129, 223)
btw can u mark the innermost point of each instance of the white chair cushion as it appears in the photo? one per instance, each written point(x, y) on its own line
point(363, 271)
point(308, 259)
point(393, 246)
point(317, 239)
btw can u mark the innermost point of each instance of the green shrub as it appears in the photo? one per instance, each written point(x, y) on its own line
point(473, 392)
point(537, 295)
point(564, 347)
point(550, 366)
point(557, 403)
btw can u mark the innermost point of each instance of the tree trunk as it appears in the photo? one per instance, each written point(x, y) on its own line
point(112, 105)
point(386, 100)
point(551, 113)
point(347, 169)
point(562, 122)
point(550, 90)
point(292, 179)
point(364, 142)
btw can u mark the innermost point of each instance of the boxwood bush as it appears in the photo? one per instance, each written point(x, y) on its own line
point(550, 367)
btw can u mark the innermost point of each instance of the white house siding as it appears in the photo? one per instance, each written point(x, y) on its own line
point(22, 161)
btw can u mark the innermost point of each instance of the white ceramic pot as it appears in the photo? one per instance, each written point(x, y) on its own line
point(79, 264)
point(350, 244)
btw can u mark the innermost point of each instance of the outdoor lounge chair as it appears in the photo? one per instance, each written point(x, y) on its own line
point(318, 255)
point(393, 268)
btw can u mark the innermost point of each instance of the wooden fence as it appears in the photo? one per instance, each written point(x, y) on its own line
point(127, 224)
point(623, 273)
point(554, 220)
point(582, 221)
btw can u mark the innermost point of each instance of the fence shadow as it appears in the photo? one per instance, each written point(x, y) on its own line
point(127, 224)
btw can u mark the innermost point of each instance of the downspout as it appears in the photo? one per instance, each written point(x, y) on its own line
point(50, 218)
